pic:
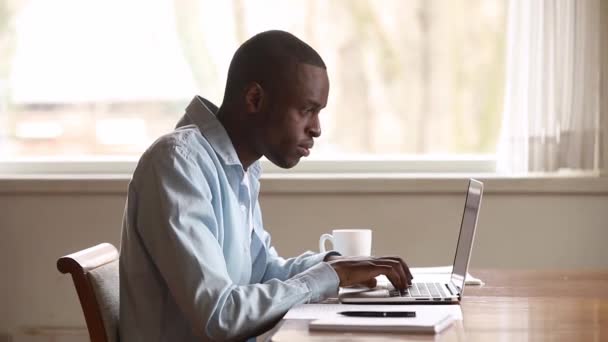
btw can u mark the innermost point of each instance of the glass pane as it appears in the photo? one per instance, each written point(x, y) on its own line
point(106, 78)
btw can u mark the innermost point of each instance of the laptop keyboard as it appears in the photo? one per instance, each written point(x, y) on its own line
point(435, 290)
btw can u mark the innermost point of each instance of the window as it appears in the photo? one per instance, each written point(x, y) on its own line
point(410, 80)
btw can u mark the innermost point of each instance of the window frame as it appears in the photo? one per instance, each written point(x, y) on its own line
point(385, 165)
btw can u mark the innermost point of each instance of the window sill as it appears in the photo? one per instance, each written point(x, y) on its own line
point(327, 184)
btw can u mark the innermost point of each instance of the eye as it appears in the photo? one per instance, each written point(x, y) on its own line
point(308, 111)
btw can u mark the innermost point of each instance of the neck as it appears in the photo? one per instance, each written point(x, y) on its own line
point(240, 137)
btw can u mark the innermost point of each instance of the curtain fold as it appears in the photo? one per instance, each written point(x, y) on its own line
point(551, 114)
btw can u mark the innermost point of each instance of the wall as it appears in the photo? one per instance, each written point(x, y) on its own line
point(530, 224)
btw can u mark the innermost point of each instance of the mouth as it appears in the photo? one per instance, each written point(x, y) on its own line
point(304, 149)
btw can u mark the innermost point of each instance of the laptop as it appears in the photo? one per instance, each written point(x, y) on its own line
point(435, 291)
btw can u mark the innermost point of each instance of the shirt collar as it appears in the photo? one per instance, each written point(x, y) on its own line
point(202, 113)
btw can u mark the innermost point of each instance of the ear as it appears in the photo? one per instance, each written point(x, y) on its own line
point(254, 97)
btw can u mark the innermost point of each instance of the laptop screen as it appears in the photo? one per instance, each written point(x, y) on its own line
point(467, 233)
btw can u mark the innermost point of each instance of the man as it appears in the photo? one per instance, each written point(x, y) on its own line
point(195, 262)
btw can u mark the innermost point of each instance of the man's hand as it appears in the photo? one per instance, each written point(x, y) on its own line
point(363, 270)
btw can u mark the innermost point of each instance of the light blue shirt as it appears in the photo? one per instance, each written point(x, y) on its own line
point(190, 267)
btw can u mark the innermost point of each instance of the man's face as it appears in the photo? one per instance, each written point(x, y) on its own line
point(292, 116)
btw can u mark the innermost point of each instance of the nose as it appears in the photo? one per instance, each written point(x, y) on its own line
point(314, 128)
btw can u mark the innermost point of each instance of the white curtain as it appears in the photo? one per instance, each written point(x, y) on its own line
point(551, 118)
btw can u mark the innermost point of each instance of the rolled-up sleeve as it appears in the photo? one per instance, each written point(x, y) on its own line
point(177, 225)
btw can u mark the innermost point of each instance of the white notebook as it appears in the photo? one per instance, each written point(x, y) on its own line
point(423, 325)
point(331, 311)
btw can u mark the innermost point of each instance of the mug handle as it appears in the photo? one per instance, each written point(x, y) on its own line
point(322, 240)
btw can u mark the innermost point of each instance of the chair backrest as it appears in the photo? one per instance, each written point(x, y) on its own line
point(95, 274)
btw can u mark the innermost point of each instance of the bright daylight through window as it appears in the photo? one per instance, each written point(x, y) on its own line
point(104, 79)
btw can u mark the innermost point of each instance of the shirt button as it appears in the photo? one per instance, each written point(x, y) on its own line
point(243, 208)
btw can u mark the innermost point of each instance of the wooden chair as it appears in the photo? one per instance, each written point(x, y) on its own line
point(95, 274)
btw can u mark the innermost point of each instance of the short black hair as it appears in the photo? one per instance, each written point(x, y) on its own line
point(267, 58)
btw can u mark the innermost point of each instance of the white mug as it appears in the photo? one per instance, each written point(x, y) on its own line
point(349, 242)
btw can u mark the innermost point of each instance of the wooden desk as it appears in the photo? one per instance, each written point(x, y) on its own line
point(512, 306)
